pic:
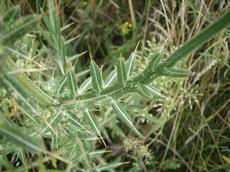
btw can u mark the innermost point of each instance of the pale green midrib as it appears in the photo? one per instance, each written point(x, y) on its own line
point(197, 40)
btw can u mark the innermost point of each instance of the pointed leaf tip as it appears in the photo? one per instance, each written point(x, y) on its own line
point(121, 71)
point(123, 116)
point(96, 75)
point(93, 123)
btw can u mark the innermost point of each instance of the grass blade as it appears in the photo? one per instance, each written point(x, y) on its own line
point(173, 72)
point(22, 26)
point(110, 166)
point(15, 135)
point(12, 14)
point(197, 40)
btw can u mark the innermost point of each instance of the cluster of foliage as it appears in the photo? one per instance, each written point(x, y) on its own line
point(70, 101)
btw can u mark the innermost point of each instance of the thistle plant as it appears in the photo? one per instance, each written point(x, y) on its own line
point(59, 106)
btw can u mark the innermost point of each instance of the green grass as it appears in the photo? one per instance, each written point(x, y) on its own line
point(114, 86)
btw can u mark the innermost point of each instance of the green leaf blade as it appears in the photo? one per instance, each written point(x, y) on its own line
point(121, 72)
point(96, 76)
point(130, 62)
point(149, 91)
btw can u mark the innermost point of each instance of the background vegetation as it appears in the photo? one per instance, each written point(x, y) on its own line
point(80, 89)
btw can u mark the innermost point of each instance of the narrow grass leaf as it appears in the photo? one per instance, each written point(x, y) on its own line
point(33, 90)
point(19, 29)
point(12, 84)
point(92, 122)
point(173, 72)
point(21, 82)
point(110, 166)
point(121, 72)
point(96, 76)
point(15, 135)
point(123, 116)
point(12, 14)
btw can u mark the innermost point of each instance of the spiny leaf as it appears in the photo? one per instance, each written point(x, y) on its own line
point(72, 83)
point(130, 62)
point(110, 78)
point(121, 72)
point(62, 83)
point(19, 138)
point(173, 72)
point(85, 85)
point(92, 122)
point(148, 91)
point(154, 61)
point(52, 22)
point(123, 115)
point(96, 76)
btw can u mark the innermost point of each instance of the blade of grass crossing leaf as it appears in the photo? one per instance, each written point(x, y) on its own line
point(18, 137)
point(35, 92)
point(25, 25)
point(123, 116)
point(121, 71)
point(9, 83)
point(12, 14)
point(173, 72)
point(110, 166)
point(23, 82)
point(96, 76)
point(93, 123)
